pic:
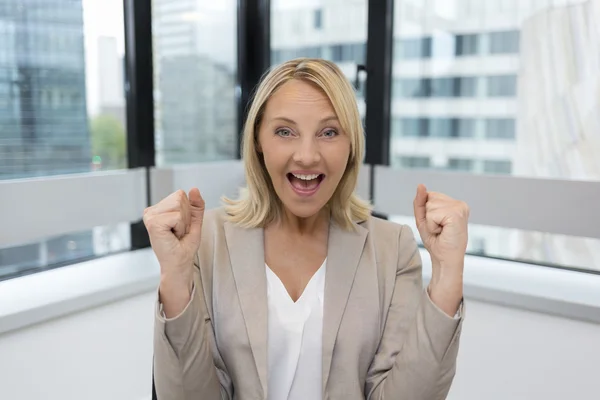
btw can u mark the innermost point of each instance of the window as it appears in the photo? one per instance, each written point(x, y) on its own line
point(466, 86)
point(347, 53)
point(502, 86)
point(413, 48)
point(464, 127)
point(322, 39)
point(434, 127)
point(414, 127)
point(500, 128)
point(504, 42)
point(497, 167)
point(411, 87)
point(62, 110)
point(360, 53)
point(318, 19)
point(440, 127)
point(520, 77)
point(460, 164)
point(413, 162)
point(436, 87)
point(442, 87)
point(195, 100)
point(336, 53)
point(467, 45)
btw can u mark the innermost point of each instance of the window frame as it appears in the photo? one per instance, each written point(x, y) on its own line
point(253, 58)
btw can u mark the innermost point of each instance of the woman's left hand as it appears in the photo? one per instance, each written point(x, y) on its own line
point(443, 225)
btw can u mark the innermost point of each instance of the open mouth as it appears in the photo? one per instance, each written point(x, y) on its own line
point(305, 184)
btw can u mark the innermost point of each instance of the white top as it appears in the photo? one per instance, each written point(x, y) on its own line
point(295, 339)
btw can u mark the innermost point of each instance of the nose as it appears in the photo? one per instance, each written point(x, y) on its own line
point(307, 153)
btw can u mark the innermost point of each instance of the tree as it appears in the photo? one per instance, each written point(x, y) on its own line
point(109, 143)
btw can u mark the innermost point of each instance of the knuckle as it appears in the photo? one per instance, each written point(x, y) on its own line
point(177, 196)
point(148, 222)
point(466, 209)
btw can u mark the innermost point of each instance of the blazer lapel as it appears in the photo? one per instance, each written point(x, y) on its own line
point(343, 255)
point(246, 252)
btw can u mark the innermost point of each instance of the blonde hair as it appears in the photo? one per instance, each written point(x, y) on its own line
point(258, 204)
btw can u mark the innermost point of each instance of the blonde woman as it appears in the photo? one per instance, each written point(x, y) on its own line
point(294, 291)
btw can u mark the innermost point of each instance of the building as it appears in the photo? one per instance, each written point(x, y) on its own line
point(558, 123)
point(43, 117)
point(195, 104)
point(111, 79)
point(42, 83)
point(197, 110)
point(456, 90)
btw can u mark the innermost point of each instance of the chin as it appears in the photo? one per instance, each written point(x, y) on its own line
point(303, 210)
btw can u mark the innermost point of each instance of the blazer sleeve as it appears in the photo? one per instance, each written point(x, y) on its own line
point(183, 360)
point(416, 358)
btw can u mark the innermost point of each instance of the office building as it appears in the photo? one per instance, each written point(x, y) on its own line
point(194, 86)
point(558, 120)
point(42, 87)
point(455, 89)
point(43, 117)
point(111, 80)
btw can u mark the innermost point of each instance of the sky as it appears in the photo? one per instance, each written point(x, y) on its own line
point(100, 18)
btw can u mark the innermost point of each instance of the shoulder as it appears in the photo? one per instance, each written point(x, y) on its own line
point(380, 228)
point(389, 239)
point(213, 226)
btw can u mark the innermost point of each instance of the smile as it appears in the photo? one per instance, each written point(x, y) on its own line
point(305, 185)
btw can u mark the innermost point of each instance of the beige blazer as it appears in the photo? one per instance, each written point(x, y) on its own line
point(383, 338)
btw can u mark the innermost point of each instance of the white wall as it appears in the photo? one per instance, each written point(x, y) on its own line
point(103, 353)
point(106, 353)
point(520, 355)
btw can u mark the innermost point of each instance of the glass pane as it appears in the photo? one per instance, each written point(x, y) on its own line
point(62, 108)
point(333, 30)
point(504, 42)
point(467, 44)
point(500, 128)
point(62, 104)
point(64, 249)
point(195, 60)
point(500, 88)
point(527, 246)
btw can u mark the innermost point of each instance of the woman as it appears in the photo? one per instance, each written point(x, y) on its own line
point(294, 291)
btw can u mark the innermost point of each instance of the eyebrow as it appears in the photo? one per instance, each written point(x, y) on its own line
point(291, 121)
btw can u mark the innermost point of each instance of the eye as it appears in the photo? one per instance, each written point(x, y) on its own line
point(284, 132)
point(329, 133)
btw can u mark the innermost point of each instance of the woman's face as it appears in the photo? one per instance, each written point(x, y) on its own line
point(304, 147)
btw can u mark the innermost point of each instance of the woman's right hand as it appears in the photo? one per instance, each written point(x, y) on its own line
point(175, 229)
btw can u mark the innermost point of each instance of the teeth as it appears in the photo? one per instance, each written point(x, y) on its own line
point(306, 177)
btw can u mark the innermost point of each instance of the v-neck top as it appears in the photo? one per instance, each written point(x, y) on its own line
point(295, 339)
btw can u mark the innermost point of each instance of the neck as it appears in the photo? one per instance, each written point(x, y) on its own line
point(304, 226)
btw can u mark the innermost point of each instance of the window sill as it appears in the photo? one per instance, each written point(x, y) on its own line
point(559, 292)
point(39, 297)
point(51, 294)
